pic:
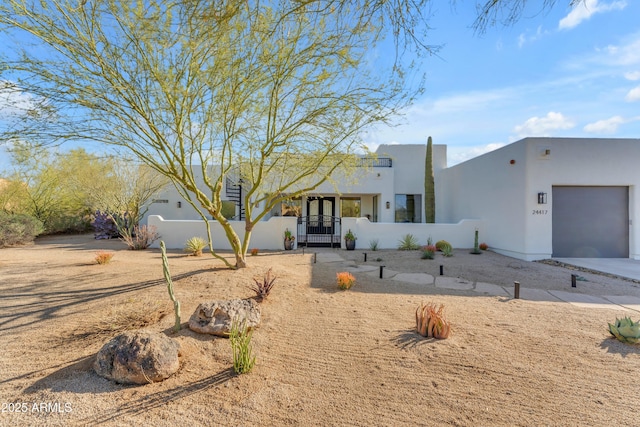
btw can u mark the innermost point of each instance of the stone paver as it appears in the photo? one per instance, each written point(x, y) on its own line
point(491, 289)
point(419, 278)
point(453, 283)
point(614, 302)
point(632, 303)
point(586, 301)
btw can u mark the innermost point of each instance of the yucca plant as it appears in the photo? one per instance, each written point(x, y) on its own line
point(263, 288)
point(626, 330)
point(240, 337)
point(195, 245)
point(345, 280)
point(408, 243)
point(430, 321)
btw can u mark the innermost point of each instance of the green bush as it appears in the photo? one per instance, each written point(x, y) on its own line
point(18, 229)
point(443, 245)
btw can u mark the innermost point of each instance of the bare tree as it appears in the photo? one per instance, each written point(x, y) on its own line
point(507, 12)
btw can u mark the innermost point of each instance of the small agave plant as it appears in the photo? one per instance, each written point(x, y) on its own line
point(626, 330)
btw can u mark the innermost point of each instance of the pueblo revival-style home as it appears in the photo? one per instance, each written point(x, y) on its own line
point(533, 199)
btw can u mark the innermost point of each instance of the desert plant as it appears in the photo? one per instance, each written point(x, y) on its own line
point(141, 238)
point(240, 337)
point(104, 227)
point(408, 243)
point(18, 229)
point(442, 244)
point(288, 236)
point(373, 244)
point(349, 236)
point(345, 280)
point(263, 288)
point(428, 252)
point(430, 321)
point(254, 251)
point(195, 245)
point(447, 251)
point(429, 185)
point(626, 330)
point(104, 257)
point(476, 249)
point(483, 246)
point(167, 278)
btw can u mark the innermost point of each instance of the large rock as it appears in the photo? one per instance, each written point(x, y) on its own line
point(215, 317)
point(138, 357)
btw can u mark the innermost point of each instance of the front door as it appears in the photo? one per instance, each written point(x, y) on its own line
point(321, 211)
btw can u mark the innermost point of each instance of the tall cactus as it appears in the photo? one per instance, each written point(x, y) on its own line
point(429, 185)
point(167, 277)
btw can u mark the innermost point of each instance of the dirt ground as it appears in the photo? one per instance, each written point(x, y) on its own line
point(324, 356)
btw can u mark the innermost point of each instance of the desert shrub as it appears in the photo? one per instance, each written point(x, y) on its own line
point(429, 252)
point(408, 243)
point(373, 244)
point(443, 244)
point(483, 246)
point(228, 209)
point(195, 245)
point(18, 229)
point(141, 238)
point(263, 288)
point(104, 257)
point(345, 280)
point(240, 337)
point(430, 321)
point(103, 226)
point(255, 251)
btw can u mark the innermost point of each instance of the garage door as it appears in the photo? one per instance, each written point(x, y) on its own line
point(590, 222)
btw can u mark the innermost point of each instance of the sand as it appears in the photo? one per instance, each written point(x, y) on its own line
point(324, 356)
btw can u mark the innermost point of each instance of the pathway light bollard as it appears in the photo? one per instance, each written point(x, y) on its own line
point(315, 257)
point(365, 256)
point(573, 280)
point(516, 290)
point(441, 269)
point(381, 268)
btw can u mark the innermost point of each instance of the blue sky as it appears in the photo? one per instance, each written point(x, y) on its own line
point(567, 72)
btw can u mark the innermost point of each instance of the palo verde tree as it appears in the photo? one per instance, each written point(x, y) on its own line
point(274, 93)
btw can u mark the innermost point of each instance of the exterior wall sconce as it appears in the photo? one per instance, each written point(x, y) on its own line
point(542, 198)
point(388, 204)
point(179, 204)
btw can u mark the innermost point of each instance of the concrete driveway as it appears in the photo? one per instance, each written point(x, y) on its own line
point(624, 267)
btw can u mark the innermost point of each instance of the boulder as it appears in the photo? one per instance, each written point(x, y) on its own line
point(138, 357)
point(215, 317)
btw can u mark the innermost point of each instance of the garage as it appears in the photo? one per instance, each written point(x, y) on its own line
point(590, 222)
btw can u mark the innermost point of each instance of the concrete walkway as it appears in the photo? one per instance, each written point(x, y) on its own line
point(612, 302)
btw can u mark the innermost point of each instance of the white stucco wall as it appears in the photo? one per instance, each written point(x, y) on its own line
point(505, 195)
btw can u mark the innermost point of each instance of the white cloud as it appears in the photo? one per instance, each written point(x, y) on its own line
point(633, 75)
point(609, 125)
point(633, 95)
point(524, 38)
point(541, 126)
point(584, 10)
point(13, 101)
point(461, 154)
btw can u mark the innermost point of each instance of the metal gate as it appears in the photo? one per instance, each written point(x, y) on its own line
point(319, 231)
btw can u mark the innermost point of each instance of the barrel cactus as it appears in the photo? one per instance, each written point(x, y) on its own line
point(626, 330)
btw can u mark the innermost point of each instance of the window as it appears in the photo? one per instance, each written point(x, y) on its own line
point(291, 208)
point(350, 207)
point(408, 208)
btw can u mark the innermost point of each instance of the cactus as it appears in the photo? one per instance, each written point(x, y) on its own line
point(429, 185)
point(626, 330)
point(167, 277)
point(476, 248)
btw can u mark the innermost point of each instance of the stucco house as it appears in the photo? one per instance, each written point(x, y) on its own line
point(533, 199)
